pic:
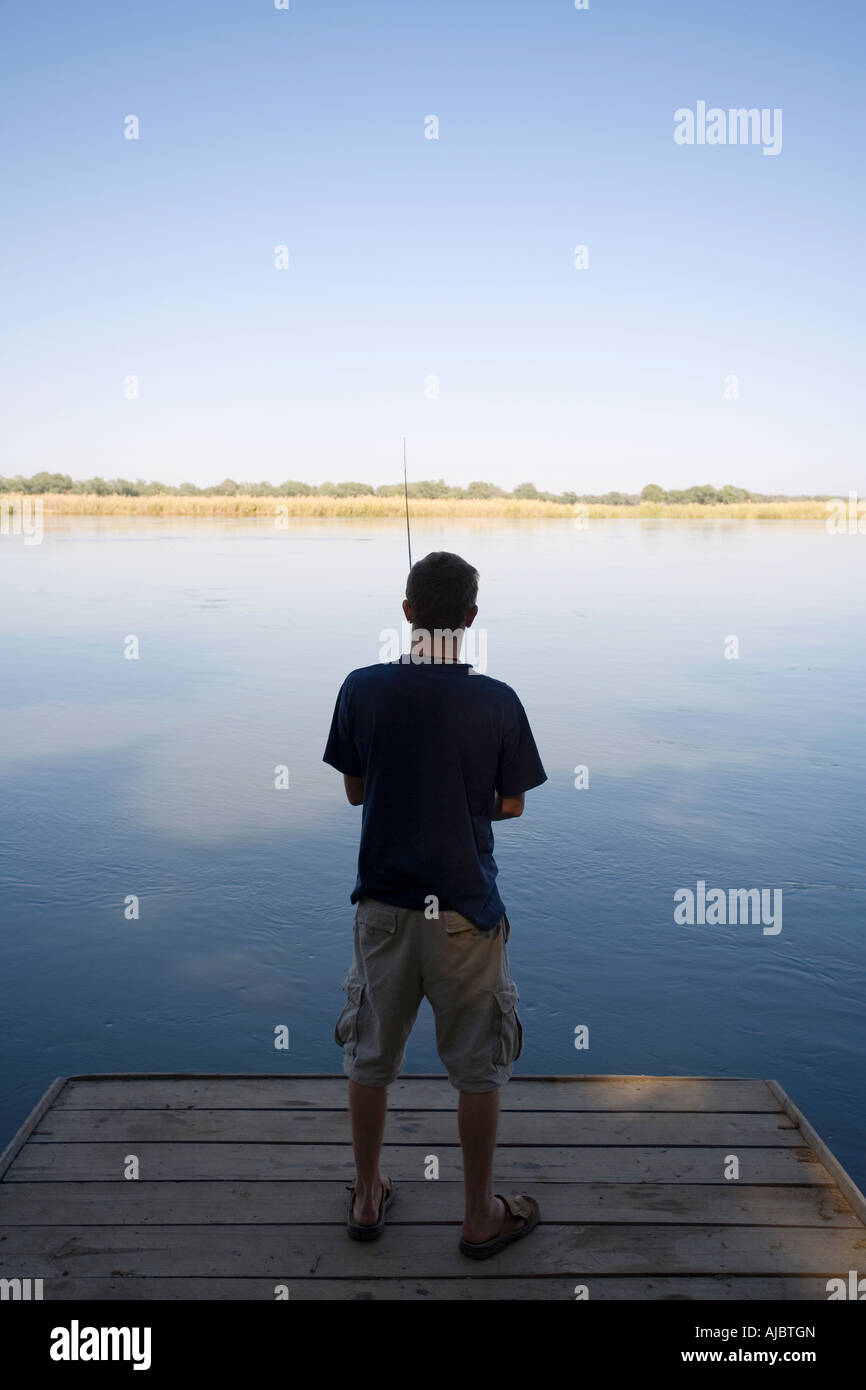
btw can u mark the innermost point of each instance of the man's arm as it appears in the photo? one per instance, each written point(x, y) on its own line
point(355, 790)
point(341, 752)
point(519, 764)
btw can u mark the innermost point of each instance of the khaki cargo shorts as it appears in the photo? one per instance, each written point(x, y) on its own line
point(400, 958)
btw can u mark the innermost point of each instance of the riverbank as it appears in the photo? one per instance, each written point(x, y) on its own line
point(169, 504)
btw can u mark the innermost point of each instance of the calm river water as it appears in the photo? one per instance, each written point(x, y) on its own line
point(154, 777)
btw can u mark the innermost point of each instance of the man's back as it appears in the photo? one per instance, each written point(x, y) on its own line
point(433, 744)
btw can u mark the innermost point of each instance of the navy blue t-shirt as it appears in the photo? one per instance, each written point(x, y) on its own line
point(433, 743)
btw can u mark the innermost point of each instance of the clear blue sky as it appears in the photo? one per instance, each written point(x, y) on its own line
point(412, 257)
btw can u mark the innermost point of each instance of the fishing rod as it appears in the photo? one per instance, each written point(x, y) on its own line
point(406, 496)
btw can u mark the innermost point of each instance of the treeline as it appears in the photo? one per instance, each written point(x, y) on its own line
point(703, 493)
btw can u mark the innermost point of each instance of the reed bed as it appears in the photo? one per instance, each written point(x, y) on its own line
point(811, 509)
point(167, 504)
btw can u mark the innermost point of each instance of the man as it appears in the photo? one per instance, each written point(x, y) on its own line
point(434, 753)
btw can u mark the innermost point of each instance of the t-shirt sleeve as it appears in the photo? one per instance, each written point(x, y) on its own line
point(520, 766)
point(340, 750)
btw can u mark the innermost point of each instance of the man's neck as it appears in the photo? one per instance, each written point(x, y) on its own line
point(434, 648)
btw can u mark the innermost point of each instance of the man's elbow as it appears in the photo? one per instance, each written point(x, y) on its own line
point(512, 807)
point(354, 790)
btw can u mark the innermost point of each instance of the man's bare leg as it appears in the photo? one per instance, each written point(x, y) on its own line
point(368, 1106)
point(477, 1121)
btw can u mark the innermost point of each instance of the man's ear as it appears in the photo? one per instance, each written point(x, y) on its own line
point(407, 611)
point(471, 615)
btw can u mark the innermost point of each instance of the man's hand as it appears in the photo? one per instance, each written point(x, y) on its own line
point(354, 789)
point(508, 807)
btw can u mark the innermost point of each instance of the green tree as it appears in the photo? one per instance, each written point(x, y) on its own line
point(432, 487)
point(49, 482)
point(291, 488)
point(729, 493)
point(704, 493)
point(481, 489)
point(352, 490)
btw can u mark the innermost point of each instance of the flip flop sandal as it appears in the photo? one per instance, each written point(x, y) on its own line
point(357, 1232)
point(521, 1206)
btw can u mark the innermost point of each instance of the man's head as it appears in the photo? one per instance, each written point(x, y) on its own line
point(440, 593)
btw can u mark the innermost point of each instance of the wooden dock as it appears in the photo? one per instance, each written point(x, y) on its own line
point(241, 1192)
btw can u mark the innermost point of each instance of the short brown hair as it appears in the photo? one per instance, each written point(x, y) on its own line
point(441, 589)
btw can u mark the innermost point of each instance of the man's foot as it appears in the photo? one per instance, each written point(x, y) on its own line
point(511, 1218)
point(365, 1213)
point(500, 1222)
point(365, 1209)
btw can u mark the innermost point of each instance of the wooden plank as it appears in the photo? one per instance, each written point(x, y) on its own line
point(428, 1127)
point(260, 1203)
point(243, 1187)
point(286, 1252)
point(846, 1183)
point(474, 1289)
point(421, 1093)
point(22, 1134)
point(238, 1162)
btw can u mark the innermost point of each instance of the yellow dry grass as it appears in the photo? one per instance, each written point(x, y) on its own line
point(811, 509)
point(496, 508)
point(165, 504)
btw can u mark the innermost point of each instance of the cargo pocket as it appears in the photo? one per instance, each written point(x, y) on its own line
point(455, 924)
point(346, 1029)
point(511, 1029)
point(373, 918)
